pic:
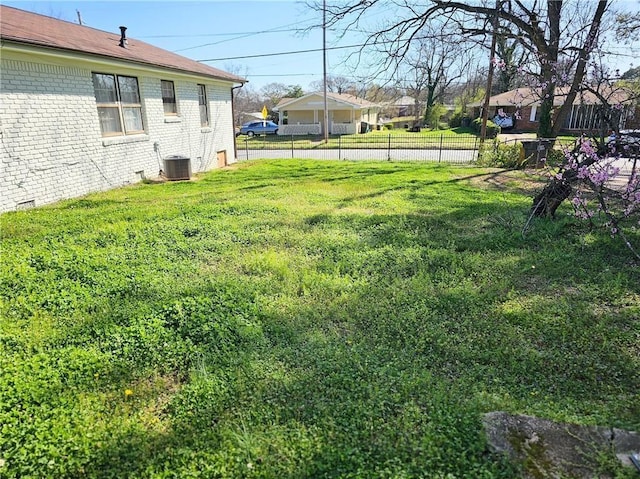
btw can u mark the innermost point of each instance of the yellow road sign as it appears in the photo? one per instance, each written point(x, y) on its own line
point(264, 112)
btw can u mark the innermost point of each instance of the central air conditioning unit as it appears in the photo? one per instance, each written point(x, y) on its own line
point(177, 167)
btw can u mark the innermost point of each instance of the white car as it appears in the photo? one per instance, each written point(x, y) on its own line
point(504, 122)
point(627, 142)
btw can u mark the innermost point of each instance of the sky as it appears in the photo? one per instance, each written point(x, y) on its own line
point(219, 31)
point(247, 38)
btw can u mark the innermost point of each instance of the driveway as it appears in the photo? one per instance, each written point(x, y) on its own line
point(626, 167)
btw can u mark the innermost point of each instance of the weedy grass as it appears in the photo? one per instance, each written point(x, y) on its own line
point(292, 319)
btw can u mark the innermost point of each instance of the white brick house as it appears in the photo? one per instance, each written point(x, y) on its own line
point(83, 110)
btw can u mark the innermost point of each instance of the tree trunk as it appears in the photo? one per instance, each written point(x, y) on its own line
point(581, 66)
point(430, 101)
point(557, 190)
point(545, 127)
point(548, 63)
point(550, 198)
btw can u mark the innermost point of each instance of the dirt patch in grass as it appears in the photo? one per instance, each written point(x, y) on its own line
point(520, 181)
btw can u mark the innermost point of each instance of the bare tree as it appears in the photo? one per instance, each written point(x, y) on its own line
point(378, 93)
point(511, 57)
point(416, 80)
point(336, 84)
point(628, 26)
point(272, 93)
point(549, 30)
point(245, 101)
point(432, 65)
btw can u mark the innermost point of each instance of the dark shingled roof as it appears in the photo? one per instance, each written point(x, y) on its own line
point(30, 28)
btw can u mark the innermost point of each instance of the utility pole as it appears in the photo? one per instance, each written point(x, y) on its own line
point(324, 69)
point(487, 95)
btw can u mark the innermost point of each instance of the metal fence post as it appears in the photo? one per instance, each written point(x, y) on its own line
point(291, 145)
point(340, 147)
point(475, 148)
point(389, 148)
point(246, 147)
point(440, 150)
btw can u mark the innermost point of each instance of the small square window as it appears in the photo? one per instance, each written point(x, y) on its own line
point(169, 98)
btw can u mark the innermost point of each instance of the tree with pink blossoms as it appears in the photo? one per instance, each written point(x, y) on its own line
point(594, 163)
point(602, 182)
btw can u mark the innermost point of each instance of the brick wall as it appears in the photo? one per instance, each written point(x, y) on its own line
point(52, 147)
point(525, 123)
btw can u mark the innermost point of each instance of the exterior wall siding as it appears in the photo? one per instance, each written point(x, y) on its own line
point(302, 117)
point(52, 146)
point(342, 116)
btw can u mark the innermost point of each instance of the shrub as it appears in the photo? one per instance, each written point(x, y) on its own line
point(555, 157)
point(388, 126)
point(492, 128)
point(433, 115)
point(457, 118)
point(501, 155)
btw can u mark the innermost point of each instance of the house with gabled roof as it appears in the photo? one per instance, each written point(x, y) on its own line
point(84, 110)
point(523, 106)
point(347, 114)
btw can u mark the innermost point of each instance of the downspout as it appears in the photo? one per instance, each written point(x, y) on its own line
point(233, 121)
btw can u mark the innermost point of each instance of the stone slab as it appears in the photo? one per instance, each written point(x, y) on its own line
point(547, 449)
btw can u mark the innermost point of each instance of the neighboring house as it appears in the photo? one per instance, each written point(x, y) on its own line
point(401, 113)
point(523, 105)
point(84, 110)
point(347, 114)
point(405, 106)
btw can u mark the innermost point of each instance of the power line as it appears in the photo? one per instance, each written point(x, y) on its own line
point(263, 55)
point(247, 34)
point(286, 75)
point(278, 29)
point(399, 81)
point(216, 34)
point(312, 50)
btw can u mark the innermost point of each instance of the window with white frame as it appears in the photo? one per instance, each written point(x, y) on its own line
point(534, 114)
point(119, 105)
point(169, 98)
point(204, 106)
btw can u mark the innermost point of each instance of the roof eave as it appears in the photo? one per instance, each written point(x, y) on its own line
point(354, 106)
point(57, 51)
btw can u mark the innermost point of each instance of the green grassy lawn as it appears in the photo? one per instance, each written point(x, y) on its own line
point(299, 319)
point(454, 138)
